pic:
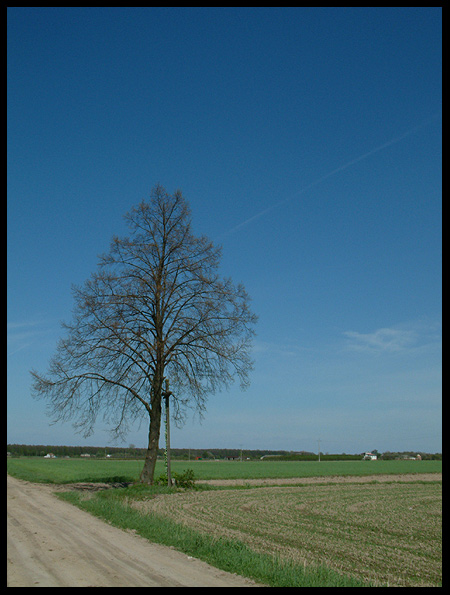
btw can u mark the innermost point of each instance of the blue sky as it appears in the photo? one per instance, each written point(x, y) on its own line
point(308, 144)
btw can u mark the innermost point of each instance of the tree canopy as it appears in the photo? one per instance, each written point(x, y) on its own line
point(156, 308)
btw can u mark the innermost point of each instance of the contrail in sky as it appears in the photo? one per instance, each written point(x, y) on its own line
point(389, 143)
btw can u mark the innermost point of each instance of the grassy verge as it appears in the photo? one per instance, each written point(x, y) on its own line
point(231, 556)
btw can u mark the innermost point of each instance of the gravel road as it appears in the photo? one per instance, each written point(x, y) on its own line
point(51, 543)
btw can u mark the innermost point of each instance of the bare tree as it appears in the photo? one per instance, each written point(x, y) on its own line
point(155, 309)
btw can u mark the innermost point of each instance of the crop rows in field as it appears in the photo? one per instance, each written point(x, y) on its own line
point(386, 533)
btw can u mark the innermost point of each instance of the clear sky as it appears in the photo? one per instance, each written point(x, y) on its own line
point(308, 144)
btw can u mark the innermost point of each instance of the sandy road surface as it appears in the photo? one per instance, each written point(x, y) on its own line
point(54, 544)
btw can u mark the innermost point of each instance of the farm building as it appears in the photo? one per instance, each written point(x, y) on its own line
point(368, 456)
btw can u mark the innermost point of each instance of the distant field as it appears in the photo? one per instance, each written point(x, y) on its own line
point(74, 470)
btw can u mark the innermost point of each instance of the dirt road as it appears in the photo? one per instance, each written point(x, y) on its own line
point(54, 544)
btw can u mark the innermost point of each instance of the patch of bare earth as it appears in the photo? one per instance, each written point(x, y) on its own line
point(415, 477)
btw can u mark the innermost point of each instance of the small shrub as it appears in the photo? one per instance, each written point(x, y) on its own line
point(185, 480)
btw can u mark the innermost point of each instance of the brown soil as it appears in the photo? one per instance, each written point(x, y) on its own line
point(326, 479)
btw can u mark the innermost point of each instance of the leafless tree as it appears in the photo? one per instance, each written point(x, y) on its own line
point(156, 308)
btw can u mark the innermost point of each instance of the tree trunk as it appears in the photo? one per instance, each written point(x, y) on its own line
point(148, 472)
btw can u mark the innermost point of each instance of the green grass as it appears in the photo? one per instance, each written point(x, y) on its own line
point(286, 469)
point(42, 470)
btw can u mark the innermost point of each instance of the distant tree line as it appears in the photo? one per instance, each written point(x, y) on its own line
point(40, 450)
point(426, 456)
point(314, 457)
point(132, 452)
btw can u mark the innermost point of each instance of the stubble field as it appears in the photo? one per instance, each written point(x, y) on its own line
point(385, 533)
